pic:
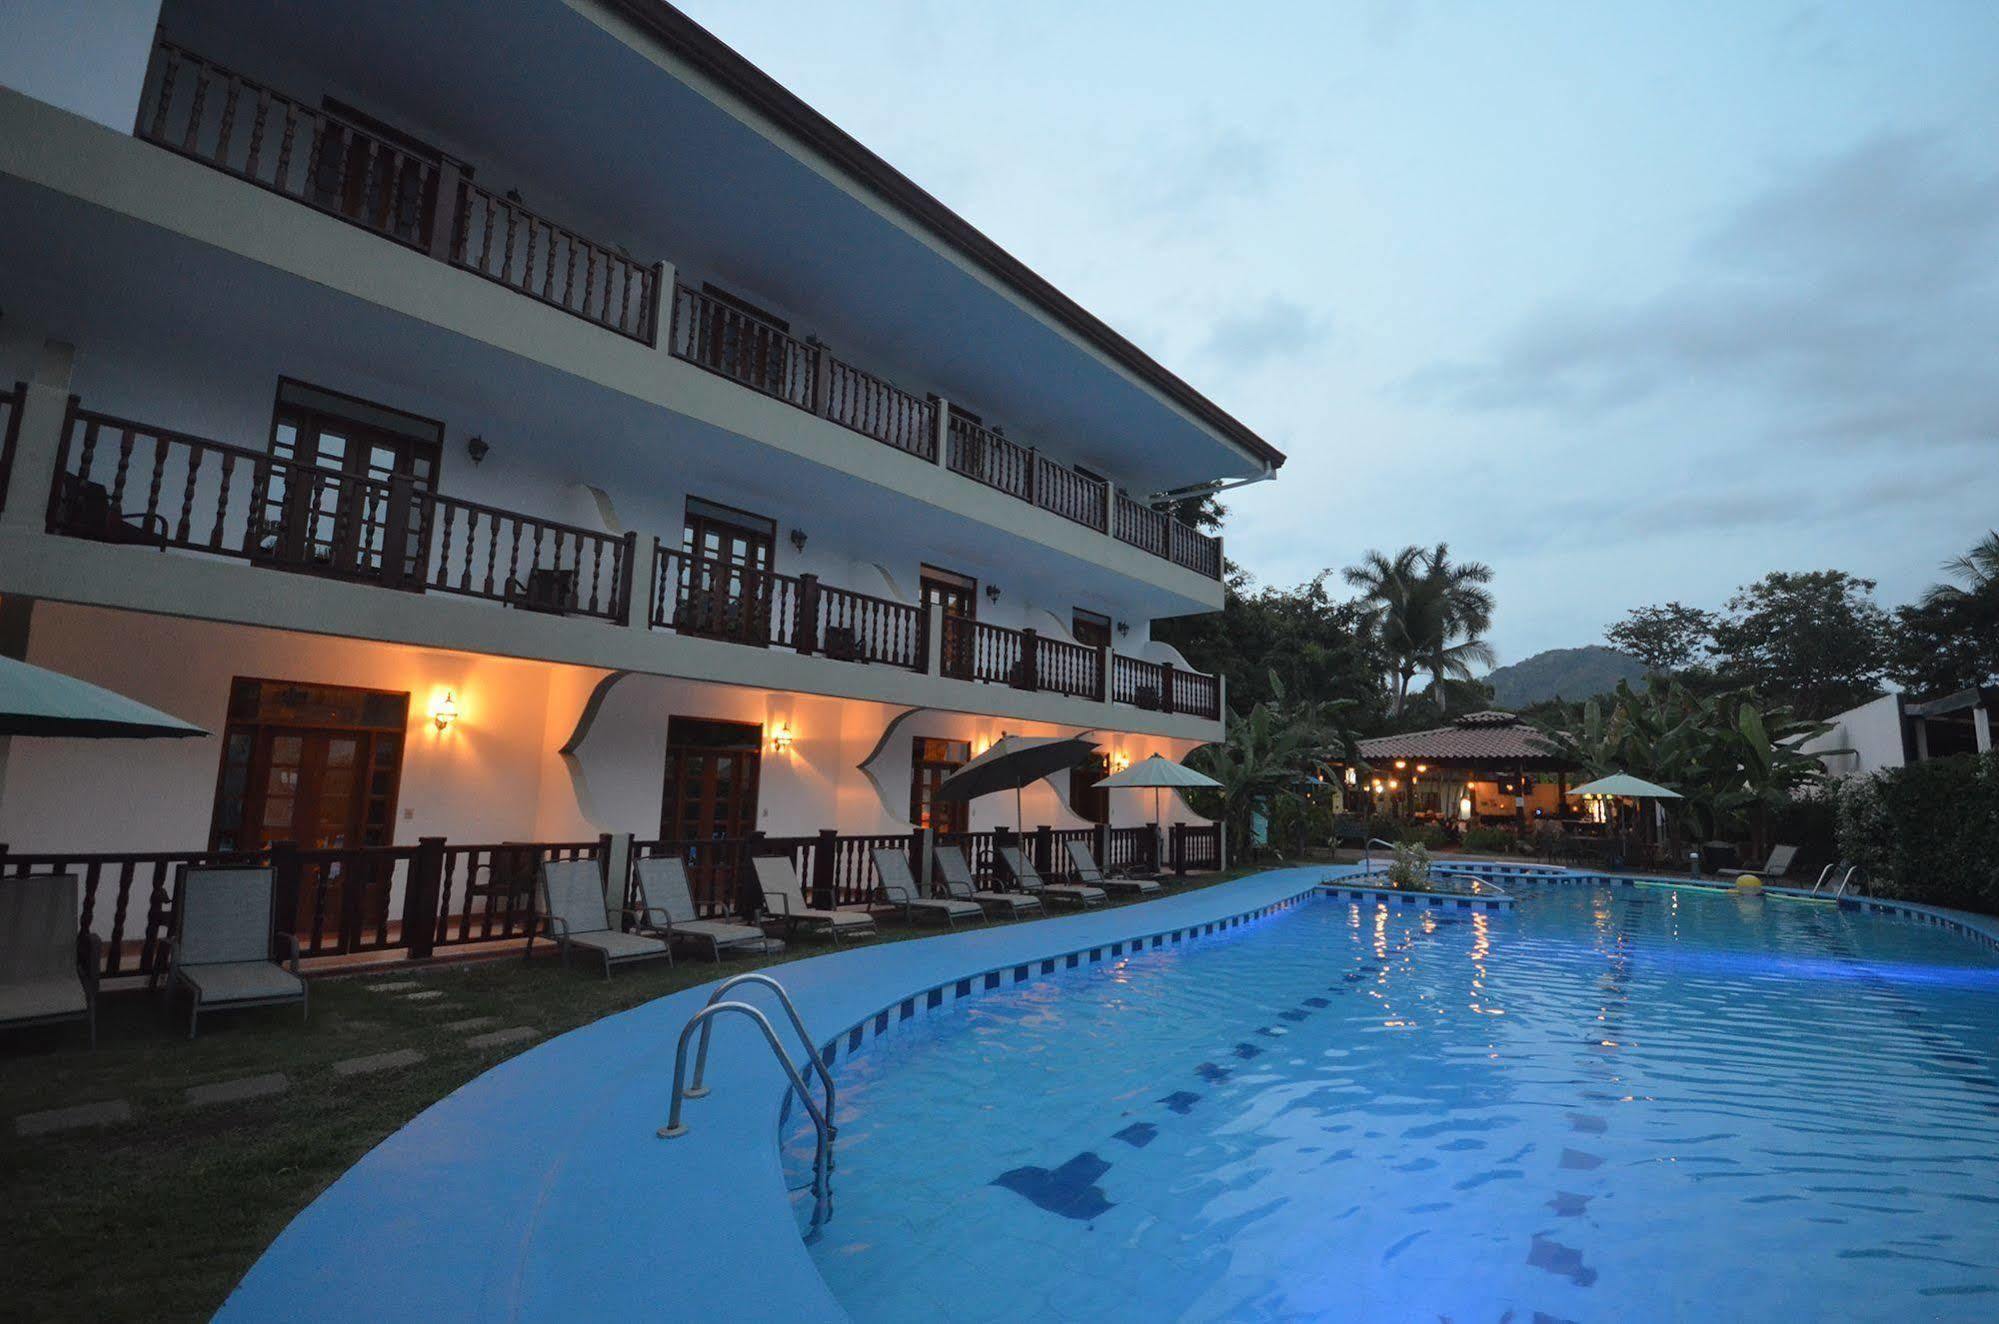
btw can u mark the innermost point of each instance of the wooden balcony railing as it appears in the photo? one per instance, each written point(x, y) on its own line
point(11, 405)
point(427, 201)
point(717, 599)
point(122, 481)
point(417, 198)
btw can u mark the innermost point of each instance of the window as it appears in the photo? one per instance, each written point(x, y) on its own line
point(1092, 629)
point(725, 579)
point(931, 760)
point(958, 595)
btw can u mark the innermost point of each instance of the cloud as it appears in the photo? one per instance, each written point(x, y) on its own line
point(1857, 301)
point(1276, 328)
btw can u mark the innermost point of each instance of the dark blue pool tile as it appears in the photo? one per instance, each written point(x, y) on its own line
point(1048, 967)
point(1317, 1002)
point(1587, 1124)
point(1211, 1073)
point(1069, 1190)
point(934, 999)
point(881, 1022)
point(1563, 1261)
point(1180, 1101)
point(1293, 1014)
point(992, 979)
point(963, 990)
point(1117, 949)
point(1353, 976)
point(908, 1009)
point(1138, 1135)
point(1019, 974)
point(1248, 1051)
point(1567, 1204)
point(1074, 960)
point(1158, 940)
point(1096, 953)
point(854, 1038)
point(1579, 1161)
point(1271, 1031)
point(828, 1051)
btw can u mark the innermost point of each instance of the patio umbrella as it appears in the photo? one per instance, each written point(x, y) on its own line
point(1624, 784)
point(1012, 763)
point(35, 701)
point(1158, 773)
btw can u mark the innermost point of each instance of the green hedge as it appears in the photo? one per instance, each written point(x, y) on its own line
point(1928, 832)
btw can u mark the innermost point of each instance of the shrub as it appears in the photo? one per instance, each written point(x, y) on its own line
point(1410, 869)
point(1490, 840)
point(1928, 832)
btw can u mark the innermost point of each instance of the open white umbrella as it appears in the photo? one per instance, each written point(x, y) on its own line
point(35, 701)
point(1158, 773)
point(1626, 785)
point(1013, 762)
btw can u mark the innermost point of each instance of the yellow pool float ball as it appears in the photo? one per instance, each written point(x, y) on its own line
point(1749, 882)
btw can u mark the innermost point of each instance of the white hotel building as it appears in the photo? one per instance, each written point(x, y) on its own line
point(515, 420)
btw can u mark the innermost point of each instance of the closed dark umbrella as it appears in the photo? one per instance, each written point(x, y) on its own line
point(1012, 763)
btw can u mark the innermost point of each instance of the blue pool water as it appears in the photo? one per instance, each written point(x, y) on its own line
point(1607, 1104)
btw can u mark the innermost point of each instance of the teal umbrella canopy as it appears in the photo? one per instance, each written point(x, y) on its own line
point(1158, 771)
point(1624, 784)
point(35, 701)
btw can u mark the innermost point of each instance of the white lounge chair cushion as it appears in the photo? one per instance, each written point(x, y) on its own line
point(839, 919)
point(948, 907)
point(1017, 900)
point(1142, 886)
point(575, 894)
point(620, 946)
point(242, 981)
point(722, 933)
point(663, 887)
point(31, 1001)
point(1080, 891)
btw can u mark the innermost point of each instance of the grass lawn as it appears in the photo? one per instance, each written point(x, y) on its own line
point(157, 1217)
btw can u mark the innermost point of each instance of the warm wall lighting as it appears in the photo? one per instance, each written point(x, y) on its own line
point(780, 739)
point(1422, 767)
point(1394, 785)
point(1353, 777)
point(444, 712)
point(1464, 808)
point(1399, 763)
point(1120, 761)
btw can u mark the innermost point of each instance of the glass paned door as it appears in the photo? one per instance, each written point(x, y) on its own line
point(959, 597)
point(725, 579)
point(712, 775)
point(327, 506)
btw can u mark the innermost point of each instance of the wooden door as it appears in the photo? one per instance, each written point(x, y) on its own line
point(931, 760)
point(1086, 799)
point(712, 775)
point(309, 789)
point(958, 595)
point(726, 579)
point(327, 507)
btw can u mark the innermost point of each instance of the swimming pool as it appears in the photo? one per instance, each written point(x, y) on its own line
point(1607, 1103)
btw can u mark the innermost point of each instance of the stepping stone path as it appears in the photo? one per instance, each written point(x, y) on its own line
point(235, 1091)
point(361, 1066)
point(470, 1023)
point(511, 1035)
point(425, 996)
point(394, 986)
point(68, 1119)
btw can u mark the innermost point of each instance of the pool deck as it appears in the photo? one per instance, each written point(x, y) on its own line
point(540, 1191)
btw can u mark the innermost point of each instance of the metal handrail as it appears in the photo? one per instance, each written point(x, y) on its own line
point(822, 1191)
point(1367, 851)
point(1485, 883)
point(1846, 881)
point(699, 1088)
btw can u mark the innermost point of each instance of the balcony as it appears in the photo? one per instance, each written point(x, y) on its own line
point(132, 483)
point(428, 202)
point(727, 600)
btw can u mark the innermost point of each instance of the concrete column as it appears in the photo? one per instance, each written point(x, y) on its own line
point(1981, 730)
point(16, 616)
point(638, 611)
point(943, 430)
point(39, 440)
point(933, 639)
point(617, 873)
point(663, 340)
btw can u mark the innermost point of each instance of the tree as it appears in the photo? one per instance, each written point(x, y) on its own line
point(1949, 639)
point(1814, 641)
point(1316, 645)
point(1426, 614)
point(1668, 640)
point(1267, 756)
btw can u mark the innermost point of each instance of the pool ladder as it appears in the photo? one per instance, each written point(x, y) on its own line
point(1367, 853)
point(822, 1118)
point(1845, 879)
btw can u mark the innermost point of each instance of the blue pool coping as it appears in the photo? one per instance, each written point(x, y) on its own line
point(539, 1190)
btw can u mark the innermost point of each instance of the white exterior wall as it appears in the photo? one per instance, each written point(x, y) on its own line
point(88, 57)
point(1873, 734)
point(498, 773)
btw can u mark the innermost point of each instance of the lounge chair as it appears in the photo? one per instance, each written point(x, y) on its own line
point(1081, 895)
point(784, 899)
point(1778, 864)
point(1084, 866)
point(958, 882)
point(222, 944)
point(899, 888)
point(666, 908)
point(48, 971)
point(572, 909)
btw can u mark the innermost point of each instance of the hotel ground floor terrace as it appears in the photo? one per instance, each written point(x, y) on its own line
point(405, 795)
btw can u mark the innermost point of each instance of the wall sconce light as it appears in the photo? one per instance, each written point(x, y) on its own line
point(1353, 777)
point(1422, 767)
point(992, 593)
point(1123, 629)
point(477, 449)
point(1464, 808)
point(1394, 785)
point(444, 712)
point(780, 739)
point(1400, 764)
point(798, 540)
point(1120, 761)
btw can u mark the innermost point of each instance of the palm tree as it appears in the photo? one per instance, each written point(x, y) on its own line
point(1389, 587)
point(1428, 613)
point(1978, 569)
point(1461, 611)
